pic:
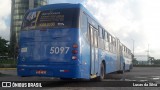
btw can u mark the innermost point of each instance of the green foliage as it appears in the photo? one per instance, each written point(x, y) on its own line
point(7, 61)
point(146, 65)
point(134, 61)
point(4, 47)
point(156, 62)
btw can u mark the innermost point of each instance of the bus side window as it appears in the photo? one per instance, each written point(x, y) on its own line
point(111, 45)
point(100, 38)
point(95, 38)
point(110, 39)
point(129, 52)
point(123, 49)
point(83, 25)
point(83, 22)
point(120, 48)
point(106, 41)
point(106, 37)
point(126, 51)
point(114, 44)
point(91, 30)
point(103, 34)
point(100, 32)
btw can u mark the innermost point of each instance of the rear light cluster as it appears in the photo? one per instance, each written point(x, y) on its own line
point(74, 57)
point(74, 52)
point(75, 46)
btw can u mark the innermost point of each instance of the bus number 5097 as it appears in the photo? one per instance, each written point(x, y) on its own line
point(59, 50)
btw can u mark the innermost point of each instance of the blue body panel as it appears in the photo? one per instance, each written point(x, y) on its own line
point(38, 57)
point(52, 70)
point(38, 44)
point(50, 50)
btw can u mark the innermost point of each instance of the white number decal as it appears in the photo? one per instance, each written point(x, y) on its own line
point(62, 50)
point(56, 50)
point(67, 48)
point(59, 50)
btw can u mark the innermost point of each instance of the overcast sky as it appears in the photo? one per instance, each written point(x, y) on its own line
point(129, 20)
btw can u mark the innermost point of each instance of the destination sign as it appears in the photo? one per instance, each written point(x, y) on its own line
point(57, 18)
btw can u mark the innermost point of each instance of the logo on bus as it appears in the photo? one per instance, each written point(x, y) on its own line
point(31, 16)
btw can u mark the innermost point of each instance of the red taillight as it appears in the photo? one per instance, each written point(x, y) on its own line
point(75, 46)
point(74, 57)
point(66, 70)
point(74, 51)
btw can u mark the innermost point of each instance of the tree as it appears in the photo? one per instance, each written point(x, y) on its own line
point(156, 62)
point(4, 47)
point(134, 61)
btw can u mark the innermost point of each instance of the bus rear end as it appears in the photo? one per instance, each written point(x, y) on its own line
point(49, 43)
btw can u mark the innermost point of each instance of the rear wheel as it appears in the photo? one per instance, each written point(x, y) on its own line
point(123, 70)
point(102, 73)
point(130, 67)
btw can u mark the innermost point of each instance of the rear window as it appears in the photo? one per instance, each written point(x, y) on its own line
point(58, 18)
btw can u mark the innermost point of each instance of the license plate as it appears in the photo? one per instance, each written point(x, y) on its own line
point(41, 71)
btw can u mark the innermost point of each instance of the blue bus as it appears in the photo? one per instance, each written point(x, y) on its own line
point(66, 41)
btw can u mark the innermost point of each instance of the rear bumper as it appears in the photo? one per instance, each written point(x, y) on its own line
point(59, 70)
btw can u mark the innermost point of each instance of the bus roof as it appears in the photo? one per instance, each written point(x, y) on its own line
point(64, 5)
point(69, 5)
point(57, 6)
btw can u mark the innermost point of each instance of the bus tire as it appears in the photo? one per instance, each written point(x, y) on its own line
point(102, 73)
point(130, 68)
point(122, 71)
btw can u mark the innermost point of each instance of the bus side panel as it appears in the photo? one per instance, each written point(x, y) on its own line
point(85, 54)
point(52, 70)
point(84, 46)
point(110, 60)
point(127, 63)
point(53, 64)
point(85, 57)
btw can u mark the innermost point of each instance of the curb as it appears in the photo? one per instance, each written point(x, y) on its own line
point(8, 68)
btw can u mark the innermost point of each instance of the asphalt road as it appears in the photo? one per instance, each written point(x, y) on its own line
point(138, 74)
